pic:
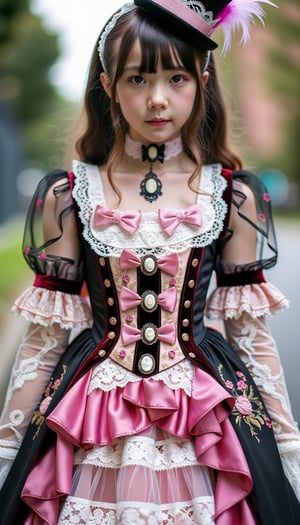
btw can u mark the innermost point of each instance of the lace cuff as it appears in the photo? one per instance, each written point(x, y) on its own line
point(229, 302)
point(46, 307)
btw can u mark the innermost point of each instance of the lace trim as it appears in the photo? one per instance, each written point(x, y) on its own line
point(109, 375)
point(291, 466)
point(143, 451)
point(88, 193)
point(229, 302)
point(198, 511)
point(46, 307)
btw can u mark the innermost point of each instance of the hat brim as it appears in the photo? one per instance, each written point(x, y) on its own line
point(176, 24)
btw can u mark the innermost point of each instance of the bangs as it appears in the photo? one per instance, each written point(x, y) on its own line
point(161, 47)
point(157, 46)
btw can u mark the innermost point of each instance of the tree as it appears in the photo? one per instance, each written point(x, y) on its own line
point(27, 53)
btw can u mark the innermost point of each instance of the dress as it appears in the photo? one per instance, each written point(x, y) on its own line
point(150, 417)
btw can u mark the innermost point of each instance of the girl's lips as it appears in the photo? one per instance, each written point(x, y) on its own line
point(157, 122)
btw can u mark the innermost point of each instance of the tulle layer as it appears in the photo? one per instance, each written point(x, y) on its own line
point(46, 307)
point(98, 419)
point(229, 302)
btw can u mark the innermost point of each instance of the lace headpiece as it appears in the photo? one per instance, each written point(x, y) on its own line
point(195, 21)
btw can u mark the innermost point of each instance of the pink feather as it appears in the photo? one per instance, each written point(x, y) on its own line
point(239, 15)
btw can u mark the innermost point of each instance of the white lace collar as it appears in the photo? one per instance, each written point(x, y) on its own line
point(149, 238)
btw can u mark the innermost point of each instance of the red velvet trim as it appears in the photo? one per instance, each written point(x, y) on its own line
point(240, 278)
point(57, 284)
point(71, 179)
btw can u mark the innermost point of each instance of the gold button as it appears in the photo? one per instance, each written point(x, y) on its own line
point(195, 262)
point(191, 284)
point(187, 304)
point(107, 283)
point(192, 355)
point(113, 321)
point(110, 301)
point(111, 335)
point(185, 322)
point(102, 261)
point(185, 337)
point(101, 353)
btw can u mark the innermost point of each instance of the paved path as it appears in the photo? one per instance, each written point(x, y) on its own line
point(286, 325)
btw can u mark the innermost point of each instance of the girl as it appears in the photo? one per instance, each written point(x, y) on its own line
point(150, 417)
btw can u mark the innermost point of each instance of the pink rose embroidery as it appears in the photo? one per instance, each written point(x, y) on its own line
point(262, 217)
point(241, 385)
point(266, 197)
point(229, 384)
point(243, 405)
point(44, 405)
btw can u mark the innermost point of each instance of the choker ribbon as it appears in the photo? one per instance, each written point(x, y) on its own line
point(130, 299)
point(165, 333)
point(128, 221)
point(168, 264)
point(169, 219)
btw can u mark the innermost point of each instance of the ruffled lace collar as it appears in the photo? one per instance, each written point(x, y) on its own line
point(149, 238)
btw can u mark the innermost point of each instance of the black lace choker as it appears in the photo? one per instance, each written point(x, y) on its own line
point(151, 185)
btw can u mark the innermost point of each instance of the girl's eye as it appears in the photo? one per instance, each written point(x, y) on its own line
point(136, 79)
point(178, 79)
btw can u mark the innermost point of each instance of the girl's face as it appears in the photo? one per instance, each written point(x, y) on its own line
point(155, 105)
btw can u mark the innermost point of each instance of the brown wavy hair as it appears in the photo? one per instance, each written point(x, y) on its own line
point(205, 134)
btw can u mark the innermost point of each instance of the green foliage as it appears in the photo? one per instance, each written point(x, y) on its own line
point(27, 52)
point(284, 82)
point(13, 269)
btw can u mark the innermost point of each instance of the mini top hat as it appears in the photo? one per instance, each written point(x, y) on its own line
point(196, 21)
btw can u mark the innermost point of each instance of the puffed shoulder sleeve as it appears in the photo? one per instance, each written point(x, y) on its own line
point(246, 248)
point(51, 247)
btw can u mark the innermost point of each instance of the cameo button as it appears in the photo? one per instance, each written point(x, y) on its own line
point(146, 364)
point(149, 265)
point(149, 334)
point(149, 301)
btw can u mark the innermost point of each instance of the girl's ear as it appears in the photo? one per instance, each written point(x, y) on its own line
point(205, 77)
point(106, 83)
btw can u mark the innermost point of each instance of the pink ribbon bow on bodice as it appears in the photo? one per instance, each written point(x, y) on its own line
point(169, 219)
point(165, 333)
point(128, 220)
point(168, 264)
point(130, 299)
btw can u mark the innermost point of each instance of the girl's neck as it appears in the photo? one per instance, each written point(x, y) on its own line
point(170, 149)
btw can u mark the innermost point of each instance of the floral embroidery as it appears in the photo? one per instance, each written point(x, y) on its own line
point(266, 197)
point(262, 217)
point(38, 417)
point(248, 408)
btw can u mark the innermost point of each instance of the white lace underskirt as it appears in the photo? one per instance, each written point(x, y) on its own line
point(148, 479)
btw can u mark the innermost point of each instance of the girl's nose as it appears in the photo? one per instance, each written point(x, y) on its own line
point(157, 99)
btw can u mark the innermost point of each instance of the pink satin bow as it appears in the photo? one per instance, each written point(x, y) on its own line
point(165, 333)
point(169, 219)
point(130, 299)
point(128, 221)
point(168, 264)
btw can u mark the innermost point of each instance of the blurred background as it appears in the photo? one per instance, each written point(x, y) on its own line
point(45, 46)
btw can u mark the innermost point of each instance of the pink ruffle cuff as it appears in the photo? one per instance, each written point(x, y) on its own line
point(46, 307)
point(229, 302)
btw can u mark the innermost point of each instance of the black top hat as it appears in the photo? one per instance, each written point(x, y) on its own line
point(191, 20)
